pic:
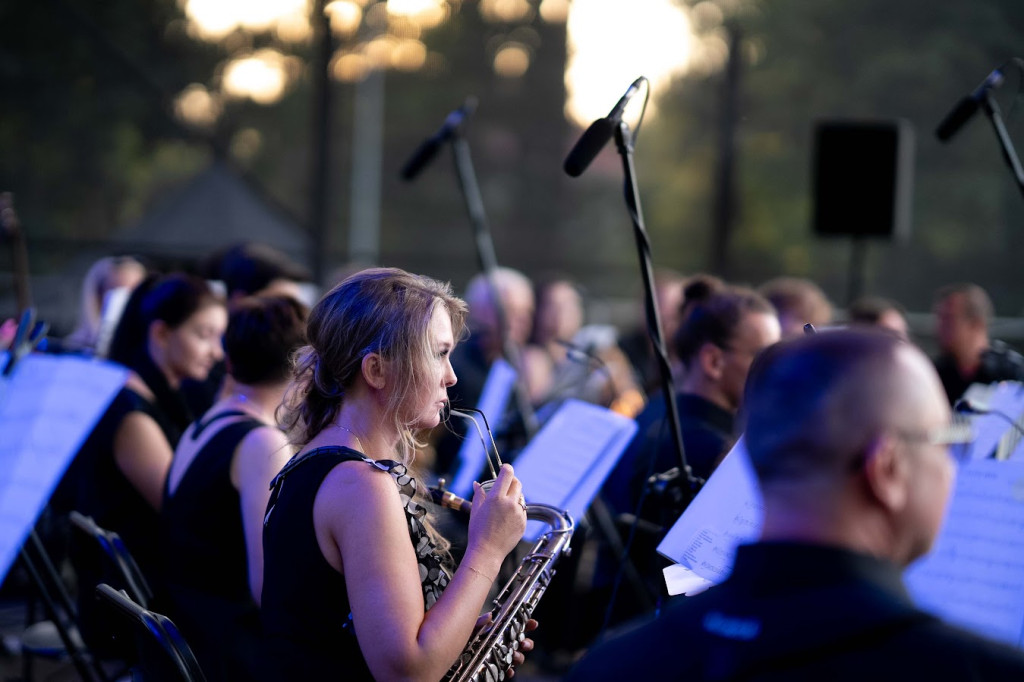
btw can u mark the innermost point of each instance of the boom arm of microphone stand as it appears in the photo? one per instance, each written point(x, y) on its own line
point(994, 114)
point(624, 144)
point(489, 264)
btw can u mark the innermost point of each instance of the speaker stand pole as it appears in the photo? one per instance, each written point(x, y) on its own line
point(858, 266)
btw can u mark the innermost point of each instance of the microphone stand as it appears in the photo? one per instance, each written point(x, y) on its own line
point(489, 264)
point(690, 484)
point(995, 115)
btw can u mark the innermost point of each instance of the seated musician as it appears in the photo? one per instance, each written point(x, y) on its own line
point(218, 487)
point(356, 584)
point(848, 432)
point(170, 331)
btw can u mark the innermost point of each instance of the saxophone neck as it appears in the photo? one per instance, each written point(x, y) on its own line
point(556, 518)
point(446, 498)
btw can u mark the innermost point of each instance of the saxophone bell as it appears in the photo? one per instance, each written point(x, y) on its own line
point(488, 655)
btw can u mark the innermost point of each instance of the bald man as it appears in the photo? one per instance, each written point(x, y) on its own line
point(848, 432)
point(473, 357)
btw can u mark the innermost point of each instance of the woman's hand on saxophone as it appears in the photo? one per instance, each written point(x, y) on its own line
point(525, 647)
point(498, 519)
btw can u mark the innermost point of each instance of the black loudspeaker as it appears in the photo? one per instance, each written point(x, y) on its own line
point(863, 174)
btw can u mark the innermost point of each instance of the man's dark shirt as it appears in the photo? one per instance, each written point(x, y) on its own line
point(998, 363)
point(792, 611)
point(707, 435)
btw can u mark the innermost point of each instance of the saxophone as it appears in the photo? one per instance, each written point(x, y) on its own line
point(489, 653)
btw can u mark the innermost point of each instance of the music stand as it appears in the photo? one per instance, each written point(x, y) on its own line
point(48, 405)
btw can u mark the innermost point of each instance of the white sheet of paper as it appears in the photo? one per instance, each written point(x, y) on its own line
point(568, 460)
point(974, 576)
point(725, 513)
point(48, 407)
point(681, 580)
point(472, 458)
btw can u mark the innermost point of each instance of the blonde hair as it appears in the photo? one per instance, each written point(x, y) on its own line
point(96, 284)
point(379, 310)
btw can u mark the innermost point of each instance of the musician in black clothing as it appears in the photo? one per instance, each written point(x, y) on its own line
point(356, 581)
point(967, 356)
point(716, 343)
point(848, 432)
point(218, 486)
point(170, 331)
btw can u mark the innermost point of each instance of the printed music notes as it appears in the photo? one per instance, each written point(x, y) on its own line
point(974, 576)
point(48, 405)
point(726, 512)
point(568, 460)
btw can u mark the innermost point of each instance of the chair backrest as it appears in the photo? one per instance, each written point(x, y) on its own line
point(163, 654)
point(119, 568)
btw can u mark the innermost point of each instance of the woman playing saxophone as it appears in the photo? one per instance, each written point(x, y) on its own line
point(356, 583)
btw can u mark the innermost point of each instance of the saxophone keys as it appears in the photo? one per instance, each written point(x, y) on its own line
point(492, 674)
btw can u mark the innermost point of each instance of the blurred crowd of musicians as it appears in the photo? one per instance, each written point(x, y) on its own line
point(267, 461)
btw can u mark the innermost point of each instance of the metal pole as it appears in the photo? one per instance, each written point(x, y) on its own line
point(725, 181)
point(320, 153)
point(367, 150)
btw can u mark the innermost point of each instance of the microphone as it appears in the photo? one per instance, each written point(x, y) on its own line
point(597, 135)
point(426, 151)
point(580, 355)
point(967, 106)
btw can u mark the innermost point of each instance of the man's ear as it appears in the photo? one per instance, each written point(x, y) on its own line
point(886, 472)
point(711, 359)
point(372, 367)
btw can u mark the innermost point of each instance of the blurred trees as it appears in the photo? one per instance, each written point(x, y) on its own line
point(85, 123)
point(829, 59)
point(88, 134)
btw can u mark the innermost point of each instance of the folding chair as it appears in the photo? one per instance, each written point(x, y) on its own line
point(119, 568)
point(163, 654)
point(58, 637)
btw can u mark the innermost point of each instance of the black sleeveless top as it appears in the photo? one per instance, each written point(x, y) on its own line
point(202, 517)
point(207, 577)
point(307, 620)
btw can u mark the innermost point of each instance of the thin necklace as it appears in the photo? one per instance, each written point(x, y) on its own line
point(358, 442)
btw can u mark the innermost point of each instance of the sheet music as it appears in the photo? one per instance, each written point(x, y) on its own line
point(472, 458)
point(568, 460)
point(47, 409)
point(974, 576)
point(727, 512)
point(1006, 398)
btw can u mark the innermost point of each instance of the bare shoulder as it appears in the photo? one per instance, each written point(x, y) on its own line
point(136, 425)
point(356, 479)
point(135, 383)
point(355, 500)
point(265, 440)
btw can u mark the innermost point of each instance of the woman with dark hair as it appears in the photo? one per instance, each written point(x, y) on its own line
point(170, 330)
point(356, 581)
point(218, 487)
